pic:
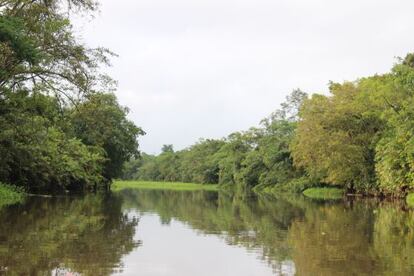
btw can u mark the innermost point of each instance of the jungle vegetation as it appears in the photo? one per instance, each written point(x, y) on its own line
point(257, 158)
point(63, 129)
point(359, 138)
point(61, 125)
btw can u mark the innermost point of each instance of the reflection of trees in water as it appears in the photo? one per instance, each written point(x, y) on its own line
point(88, 235)
point(257, 225)
point(352, 238)
point(365, 238)
point(394, 239)
point(332, 238)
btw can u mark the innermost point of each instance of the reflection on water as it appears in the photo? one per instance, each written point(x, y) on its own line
point(204, 233)
point(87, 235)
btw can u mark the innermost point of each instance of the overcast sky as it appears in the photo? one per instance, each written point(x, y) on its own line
point(205, 68)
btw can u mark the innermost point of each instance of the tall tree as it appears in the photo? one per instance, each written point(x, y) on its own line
point(39, 51)
point(336, 136)
point(101, 121)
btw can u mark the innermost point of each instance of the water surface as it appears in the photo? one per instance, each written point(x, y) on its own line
point(144, 232)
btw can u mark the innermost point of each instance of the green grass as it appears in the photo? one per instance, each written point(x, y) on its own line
point(410, 199)
point(120, 185)
point(324, 193)
point(10, 195)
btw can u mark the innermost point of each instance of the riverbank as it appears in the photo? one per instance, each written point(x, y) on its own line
point(318, 193)
point(10, 195)
point(152, 185)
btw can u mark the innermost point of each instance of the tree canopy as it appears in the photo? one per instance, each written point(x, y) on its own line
point(61, 126)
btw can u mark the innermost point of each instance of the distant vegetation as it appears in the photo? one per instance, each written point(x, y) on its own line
point(257, 158)
point(61, 127)
point(359, 137)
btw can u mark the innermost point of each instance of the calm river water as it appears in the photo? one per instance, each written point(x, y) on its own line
point(142, 232)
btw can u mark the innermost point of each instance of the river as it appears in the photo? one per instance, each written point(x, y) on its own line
point(146, 232)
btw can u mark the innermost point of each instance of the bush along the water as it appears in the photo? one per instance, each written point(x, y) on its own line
point(10, 195)
point(410, 199)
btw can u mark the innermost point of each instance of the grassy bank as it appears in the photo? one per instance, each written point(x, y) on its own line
point(10, 195)
point(324, 193)
point(177, 186)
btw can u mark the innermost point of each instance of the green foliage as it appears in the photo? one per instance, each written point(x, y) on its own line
point(335, 139)
point(232, 155)
point(258, 159)
point(36, 153)
point(359, 137)
point(58, 131)
point(199, 164)
point(41, 151)
point(39, 51)
point(131, 167)
point(10, 195)
point(395, 153)
point(12, 36)
point(167, 148)
point(146, 168)
point(100, 121)
point(410, 199)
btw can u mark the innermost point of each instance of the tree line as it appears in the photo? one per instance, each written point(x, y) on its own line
point(359, 137)
point(257, 158)
point(61, 127)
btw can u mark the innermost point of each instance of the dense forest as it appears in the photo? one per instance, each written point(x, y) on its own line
point(61, 125)
point(359, 137)
point(63, 129)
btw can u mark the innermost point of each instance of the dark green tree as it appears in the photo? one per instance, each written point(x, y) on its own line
point(101, 121)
